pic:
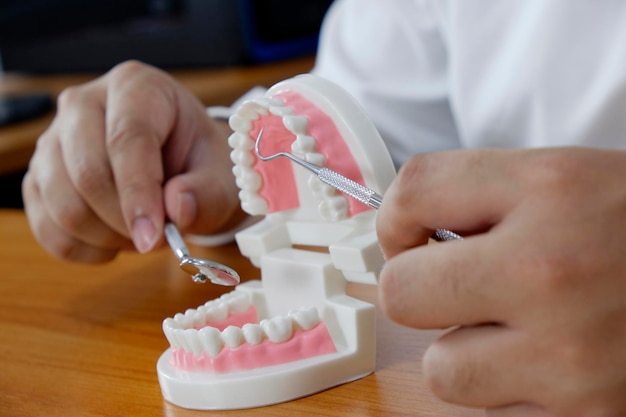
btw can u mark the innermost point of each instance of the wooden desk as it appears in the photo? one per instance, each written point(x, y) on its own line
point(220, 86)
point(84, 340)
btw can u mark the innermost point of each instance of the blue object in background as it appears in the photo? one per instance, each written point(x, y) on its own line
point(278, 29)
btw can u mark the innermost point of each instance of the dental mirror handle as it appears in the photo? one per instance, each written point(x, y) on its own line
point(175, 240)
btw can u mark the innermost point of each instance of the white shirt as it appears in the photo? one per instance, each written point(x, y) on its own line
point(436, 74)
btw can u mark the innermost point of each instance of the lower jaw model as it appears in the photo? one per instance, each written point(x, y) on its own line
point(294, 332)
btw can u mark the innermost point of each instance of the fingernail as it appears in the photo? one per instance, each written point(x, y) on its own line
point(144, 234)
point(186, 210)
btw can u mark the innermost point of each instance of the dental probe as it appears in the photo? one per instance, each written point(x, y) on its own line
point(199, 269)
point(344, 184)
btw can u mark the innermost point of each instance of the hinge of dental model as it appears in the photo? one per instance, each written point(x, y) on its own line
point(344, 184)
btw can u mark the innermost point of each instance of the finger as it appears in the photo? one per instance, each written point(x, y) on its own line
point(54, 239)
point(82, 139)
point(451, 284)
point(479, 366)
point(451, 190)
point(518, 410)
point(139, 119)
point(205, 198)
point(63, 205)
point(200, 206)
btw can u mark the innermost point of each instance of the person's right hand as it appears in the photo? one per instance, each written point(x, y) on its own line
point(123, 153)
point(533, 299)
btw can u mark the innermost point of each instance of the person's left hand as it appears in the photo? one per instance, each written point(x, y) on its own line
point(534, 296)
point(124, 153)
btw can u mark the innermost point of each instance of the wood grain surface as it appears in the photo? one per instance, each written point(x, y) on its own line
point(80, 340)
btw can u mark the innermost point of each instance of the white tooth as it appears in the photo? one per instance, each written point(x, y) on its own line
point(197, 316)
point(305, 317)
point(217, 313)
point(253, 333)
point(262, 105)
point(224, 298)
point(233, 139)
point(178, 336)
point(315, 158)
point(241, 183)
point(193, 341)
point(199, 320)
point(281, 110)
point(278, 329)
point(252, 203)
point(245, 197)
point(239, 123)
point(271, 101)
point(316, 186)
point(181, 336)
point(211, 340)
point(253, 209)
point(232, 336)
point(334, 209)
point(240, 140)
point(182, 320)
point(303, 144)
point(296, 124)
point(238, 302)
point(338, 203)
point(239, 156)
point(248, 145)
point(169, 335)
point(319, 189)
point(249, 181)
point(169, 325)
point(250, 110)
point(327, 191)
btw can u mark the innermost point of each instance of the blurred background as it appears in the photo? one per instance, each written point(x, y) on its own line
point(46, 45)
point(77, 35)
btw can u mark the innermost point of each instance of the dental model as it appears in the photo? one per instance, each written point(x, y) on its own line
point(295, 332)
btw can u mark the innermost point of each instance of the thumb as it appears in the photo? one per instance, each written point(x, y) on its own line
point(204, 198)
point(202, 202)
point(464, 191)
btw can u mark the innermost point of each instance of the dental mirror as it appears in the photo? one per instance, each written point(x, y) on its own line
point(199, 269)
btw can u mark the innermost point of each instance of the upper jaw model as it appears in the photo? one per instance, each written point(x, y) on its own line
point(295, 332)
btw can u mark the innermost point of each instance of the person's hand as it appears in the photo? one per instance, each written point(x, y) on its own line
point(123, 153)
point(535, 296)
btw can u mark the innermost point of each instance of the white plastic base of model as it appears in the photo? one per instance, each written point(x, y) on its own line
point(351, 324)
point(273, 384)
point(255, 388)
point(354, 251)
point(293, 278)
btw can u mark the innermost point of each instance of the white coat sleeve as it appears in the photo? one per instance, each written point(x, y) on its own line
point(391, 56)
